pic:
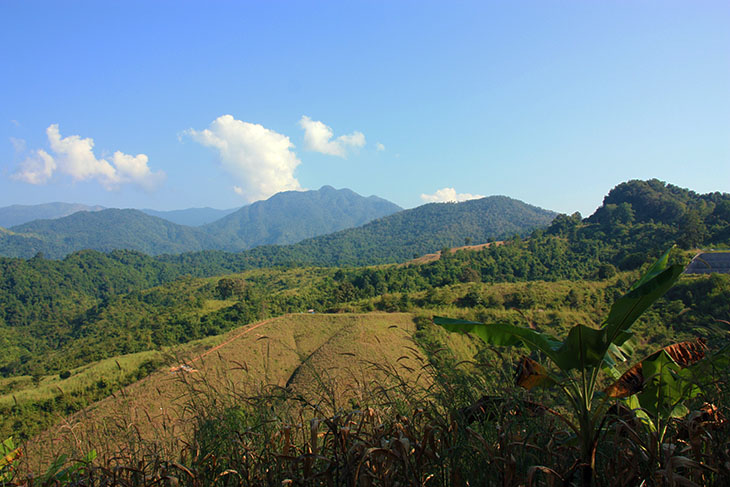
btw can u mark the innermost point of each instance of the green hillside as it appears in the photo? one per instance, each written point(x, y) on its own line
point(297, 367)
point(425, 229)
point(669, 212)
point(107, 230)
point(282, 219)
point(62, 313)
point(19, 214)
point(292, 216)
point(395, 238)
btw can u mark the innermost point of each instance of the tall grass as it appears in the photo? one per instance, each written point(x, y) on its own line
point(427, 418)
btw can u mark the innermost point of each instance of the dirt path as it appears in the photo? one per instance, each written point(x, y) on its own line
point(232, 339)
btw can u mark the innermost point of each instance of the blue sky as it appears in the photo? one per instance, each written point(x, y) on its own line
point(192, 104)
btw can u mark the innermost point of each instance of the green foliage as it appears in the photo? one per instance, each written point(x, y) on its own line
point(9, 458)
point(228, 287)
point(669, 212)
point(63, 473)
point(585, 352)
point(285, 218)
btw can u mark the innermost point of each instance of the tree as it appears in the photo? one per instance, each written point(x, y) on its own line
point(229, 287)
point(692, 230)
point(470, 274)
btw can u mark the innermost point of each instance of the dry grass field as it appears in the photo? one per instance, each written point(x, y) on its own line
point(329, 360)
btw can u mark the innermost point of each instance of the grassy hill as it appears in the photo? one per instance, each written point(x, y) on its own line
point(315, 375)
point(314, 356)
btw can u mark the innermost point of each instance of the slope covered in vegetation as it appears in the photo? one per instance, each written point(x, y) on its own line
point(18, 214)
point(292, 216)
point(70, 320)
point(284, 218)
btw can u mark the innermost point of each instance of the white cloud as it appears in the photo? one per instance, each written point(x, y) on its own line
point(74, 156)
point(261, 160)
point(318, 138)
point(134, 169)
point(379, 147)
point(449, 194)
point(18, 144)
point(36, 168)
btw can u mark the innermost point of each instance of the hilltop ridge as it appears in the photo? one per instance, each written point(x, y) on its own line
point(323, 227)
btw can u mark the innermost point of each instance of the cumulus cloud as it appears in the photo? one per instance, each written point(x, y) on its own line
point(261, 160)
point(449, 194)
point(318, 138)
point(78, 157)
point(74, 156)
point(36, 168)
point(379, 147)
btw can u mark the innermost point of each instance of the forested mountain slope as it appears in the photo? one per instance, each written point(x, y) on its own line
point(669, 212)
point(19, 214)
point(418, 231)
point(284, 218)
point(292, 216)
point(106, 230)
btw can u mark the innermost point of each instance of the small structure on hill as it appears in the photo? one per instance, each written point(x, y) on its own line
point(707, 262)
point(182, 368)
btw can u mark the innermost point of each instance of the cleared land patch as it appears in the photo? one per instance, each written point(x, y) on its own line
point(312, 354)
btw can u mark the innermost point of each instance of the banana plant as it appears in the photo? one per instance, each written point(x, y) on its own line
point(584, 354)
point(9, 456)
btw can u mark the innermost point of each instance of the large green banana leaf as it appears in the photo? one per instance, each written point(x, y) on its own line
point(584, 347)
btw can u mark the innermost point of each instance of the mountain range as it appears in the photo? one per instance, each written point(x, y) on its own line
point(320, 221)
point(292, 216)
point(19, 214)
point(411, 233)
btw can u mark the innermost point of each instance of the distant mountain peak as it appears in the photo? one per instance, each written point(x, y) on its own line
point(291, 216)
